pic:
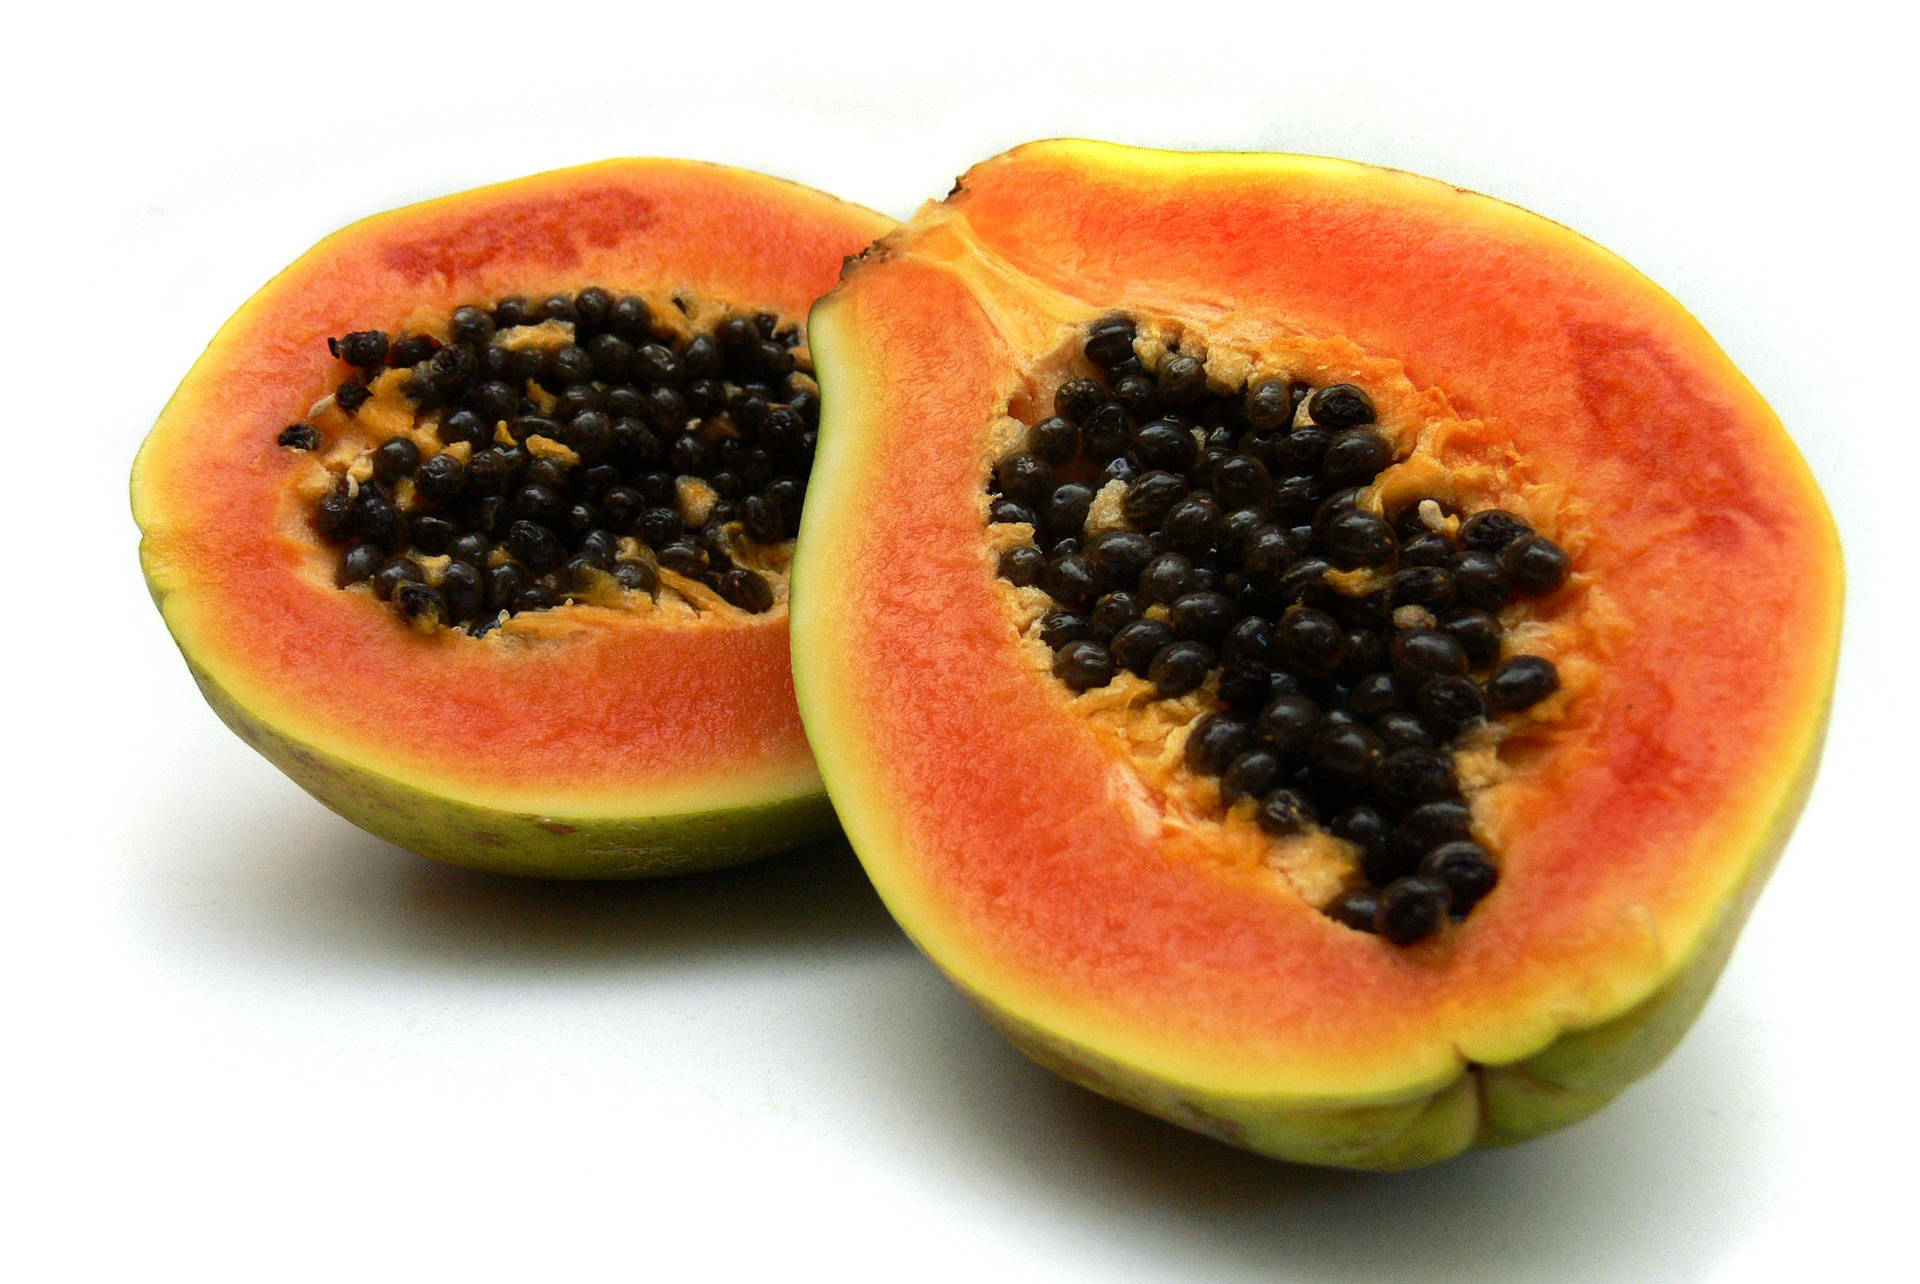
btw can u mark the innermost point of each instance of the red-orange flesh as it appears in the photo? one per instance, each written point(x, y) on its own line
point(601, 705)
point(1010, 840)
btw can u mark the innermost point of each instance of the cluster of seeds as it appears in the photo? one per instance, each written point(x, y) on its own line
point(581, 447)
point(1339, 697)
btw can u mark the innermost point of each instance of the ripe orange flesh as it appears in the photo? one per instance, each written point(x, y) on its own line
point(580, 713)
point(1014, 844)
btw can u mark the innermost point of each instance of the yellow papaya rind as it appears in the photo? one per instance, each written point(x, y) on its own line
point(1538, 1065)
point(657, 842)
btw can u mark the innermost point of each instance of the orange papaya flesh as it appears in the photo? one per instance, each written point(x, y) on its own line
point(1033, 843)
point(621, 734)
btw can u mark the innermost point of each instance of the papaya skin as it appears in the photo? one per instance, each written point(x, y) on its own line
point(587, 745)
point(1218, 1006)
point(447, 828)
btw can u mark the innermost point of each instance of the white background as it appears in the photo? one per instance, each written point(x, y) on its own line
point(249, 1042)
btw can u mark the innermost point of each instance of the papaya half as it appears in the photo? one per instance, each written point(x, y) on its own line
point(477, 519)
point(1322, 656)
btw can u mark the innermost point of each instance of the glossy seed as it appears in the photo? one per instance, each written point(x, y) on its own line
point(1181, 379)
point(1425, 827)
point(432, 533)
point(1465, 869)
point(1193, 524)
point(1066, 510)
point(1409, 777)
point(1535, 564)
point(1423, 654)
point(1481, 580)
point(1025, 479)
point(1136, 644)
point(1425, 548)
point(1430, 586)
point(1075, 399)
point(1401, 729)
point(401, 570)
point(630, 317)
point(1136, 390)
point(1006, 511)
point(1071, 580)
point(1215, 741)
point(351, 395)
point(1411, 910)
point(358, 564)
point(1111, 342)
point(1253, 773)
point(1022, 565)
point(1269, 404)
point(538, 548)
point(1246, 688)
point(1301, 452)
point(1249, 641)
point(1373, 693)
point(1478, 634)
point(1105, 432)
point(1344, 758)
point(1166, 578)
point(1285, 811)
point(1204, 616)
point(1055, 440)
point(1083, 665)
point(1356, 539)
point(463, 591)
point(1356, 909)
point(364, 348)
point(1241, 479)
point(747, 590)
point(377, 521)
point(683, 557)
point(1521, 682)
point(1366, 654)
point(1120, 556)
point(1354, 457)
point(1163, 445)
point(1341, 405)
point(505, 583)
point(1111, 613)
point(1312, 641)
point(1287, 721)
point(1058, 628)
point(636, 577)
point(1150, 496)
point(1267, 555)
point(1363, 826)
point(1451, 704)
point(1491, 529)
point(441, 478)
point(1179, 669)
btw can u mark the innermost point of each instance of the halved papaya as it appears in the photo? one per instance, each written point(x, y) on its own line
point(1319, 655)
point(476, 519)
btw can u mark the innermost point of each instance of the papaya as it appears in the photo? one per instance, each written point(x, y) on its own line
point(477, 519)
point(1318, 655)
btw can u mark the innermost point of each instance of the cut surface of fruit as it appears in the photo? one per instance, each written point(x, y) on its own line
point(476, 520)
point(1621, 672)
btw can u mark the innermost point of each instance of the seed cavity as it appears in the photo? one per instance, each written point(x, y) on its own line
point(1343, 652)
point(528, 454)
